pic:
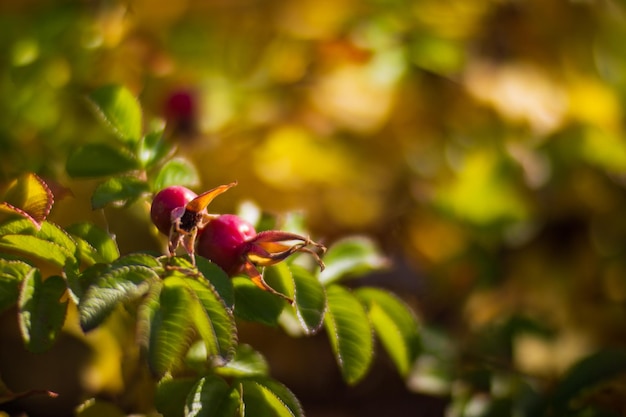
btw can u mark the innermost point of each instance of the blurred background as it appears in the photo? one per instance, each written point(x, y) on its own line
point(479, 142)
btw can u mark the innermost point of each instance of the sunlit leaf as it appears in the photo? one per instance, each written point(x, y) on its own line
point(141, 259)
point(254, 304)
point(97, 407)
point(118, 190)
point(115, 285)
point(12, 273)
point(213, 320)
point(120, 110)
point(28, 196)
point(153, 148)
point(177, 171)
point(171, 328)
point(37, 248)
point(395, 325)
point(352, 256)
point(246, 362)
point(349, 333)
point(218, 278)
point(95, 241)
point(263, 396)
point(41, 310)
point(306, 291)
point(99, 159)
point(171, 396)
point(49, 242)
point(209, 397)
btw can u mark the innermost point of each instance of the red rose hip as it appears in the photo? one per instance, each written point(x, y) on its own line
point(223, 242)
point(167, 200)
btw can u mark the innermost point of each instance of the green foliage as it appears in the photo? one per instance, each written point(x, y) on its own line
point(186, 313)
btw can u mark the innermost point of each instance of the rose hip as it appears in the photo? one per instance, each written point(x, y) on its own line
point(167, 200)
point(223, 240)
point(233, 244)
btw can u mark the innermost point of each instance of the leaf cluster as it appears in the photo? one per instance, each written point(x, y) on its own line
point(186, 315)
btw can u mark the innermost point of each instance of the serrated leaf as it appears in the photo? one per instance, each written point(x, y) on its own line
point(120, 110)
point(119, 191)
point(37, 248)
point(349, 333)
point(41, 310)
point(177, 171)
point(98, 160)
point(171, 328)
point(254, 304)
point(153, 149)
point(310, 299)
point(114, 285)
point(218, 278)
point(100, 244)
point(246, 362)
point(27, 196)
point(213, 320)
point(171, 396)
point(12, 273)
point(263, 396)
point(141, 259)
point(395, 325)
point(352, 256)
point(306, 291)
point(146, 312)
point(210, 397)
point(48, 242)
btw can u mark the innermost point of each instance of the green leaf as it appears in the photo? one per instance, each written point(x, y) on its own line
point(263, 396)
point(94, 244)
point(306, 291)
point(119, 191)
point(153, 149)
point(37, 248)
point(310, 299)
point(587, 373)
point(115, 285)
point(120, 110)
point(213, 320)
point(171, 328)
point(177, 171)
point(246, 362)
point(218, 278)
point(352, 256)
point(48, 243)
point(41, 310)
point(171, 396)
point(349, 333)
point(254, 304)
point(12, 273)
point(138, 259)
point(98, 160)
point(210, 397)
point(395, 325)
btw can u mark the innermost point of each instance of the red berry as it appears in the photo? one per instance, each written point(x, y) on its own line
point(222, 241)
point(167, 200)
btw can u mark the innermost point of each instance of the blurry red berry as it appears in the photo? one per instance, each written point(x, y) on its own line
point(223, 242)
point(181, 113)
point(167, 200)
